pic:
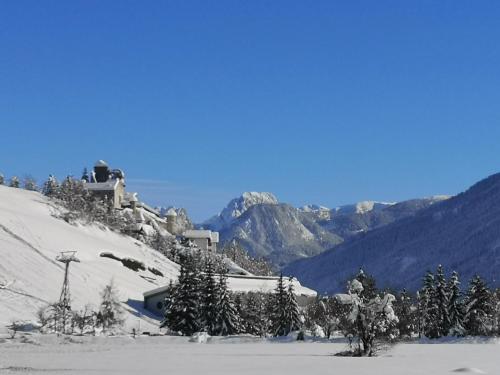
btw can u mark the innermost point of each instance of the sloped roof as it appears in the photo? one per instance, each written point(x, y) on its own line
point(102, 186)
point(198, 233)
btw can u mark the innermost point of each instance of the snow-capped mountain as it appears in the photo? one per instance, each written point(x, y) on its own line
point(237, 207)
point(351, 220)
point(362, 207)
point(278, 232)
point(282, 233)
point(321, 212)
point(462, 233)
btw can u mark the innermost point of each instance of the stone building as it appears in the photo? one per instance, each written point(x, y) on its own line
point(106, 183)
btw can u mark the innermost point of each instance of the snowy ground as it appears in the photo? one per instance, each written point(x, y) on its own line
point(175, 355)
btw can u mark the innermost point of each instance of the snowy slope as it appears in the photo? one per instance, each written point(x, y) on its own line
point(30, 239)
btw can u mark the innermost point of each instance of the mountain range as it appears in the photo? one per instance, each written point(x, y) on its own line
point(282, 233)
point(461, 233)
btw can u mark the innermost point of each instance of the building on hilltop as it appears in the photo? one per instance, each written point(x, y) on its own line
point(106, 183)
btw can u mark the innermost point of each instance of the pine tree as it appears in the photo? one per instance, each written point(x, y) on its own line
point(210, 298)
point(183, 314)
point(280, 324)
point(227, 317)
point(2, 179)
point(110, 313)
point(73, 195)
point(254, 315)
point(455, 308)
point(404, 310)
point(478, 308)
point(240, 312)
point(292, 308)
point(428, 308)
point(442, 302)
point(29, 183)
point(14, 182)
point(50, 186)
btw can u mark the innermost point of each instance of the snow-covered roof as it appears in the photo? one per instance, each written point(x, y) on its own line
point(148, 208)
point(199, 233)
point(130, 197)
point(100, 163)
point(245, 284)
point(171, 212)
point(108, 185)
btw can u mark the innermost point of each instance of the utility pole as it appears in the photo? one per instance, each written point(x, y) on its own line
point(65, 257)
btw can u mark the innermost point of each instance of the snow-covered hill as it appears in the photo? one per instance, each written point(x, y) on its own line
point(30, 239)
point(462, 233)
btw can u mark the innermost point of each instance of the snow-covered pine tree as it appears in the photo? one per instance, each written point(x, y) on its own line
point(442, 300)
point(50, 186)
point(209, 300)
point(478, 308)
point(170, 293)
point(257, 266)
point(455, 307)
point(14, 182)
point(29, 183)
point(428, 310)
point(2, 179)
point(228, 321)
point(280, 324)
point(495, 302)
point(292, 307)
point(240, 312)
point(405, 311)
point(183, 314)
point(254, 317)
point(110, 313)
point(73, 195)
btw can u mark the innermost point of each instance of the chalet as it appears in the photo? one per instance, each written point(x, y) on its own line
point(154, 300)
point(206, 240)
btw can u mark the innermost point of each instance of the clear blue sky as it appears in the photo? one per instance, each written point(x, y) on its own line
point(323, 102)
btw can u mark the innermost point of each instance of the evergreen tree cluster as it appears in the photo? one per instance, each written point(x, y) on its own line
point(82, 205)
point(202, 301)
point(257, 266)
point(440, 308)
point(443, 309)
point(28, 182)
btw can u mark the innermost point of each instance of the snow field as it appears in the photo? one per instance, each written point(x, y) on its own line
point(245, 355)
